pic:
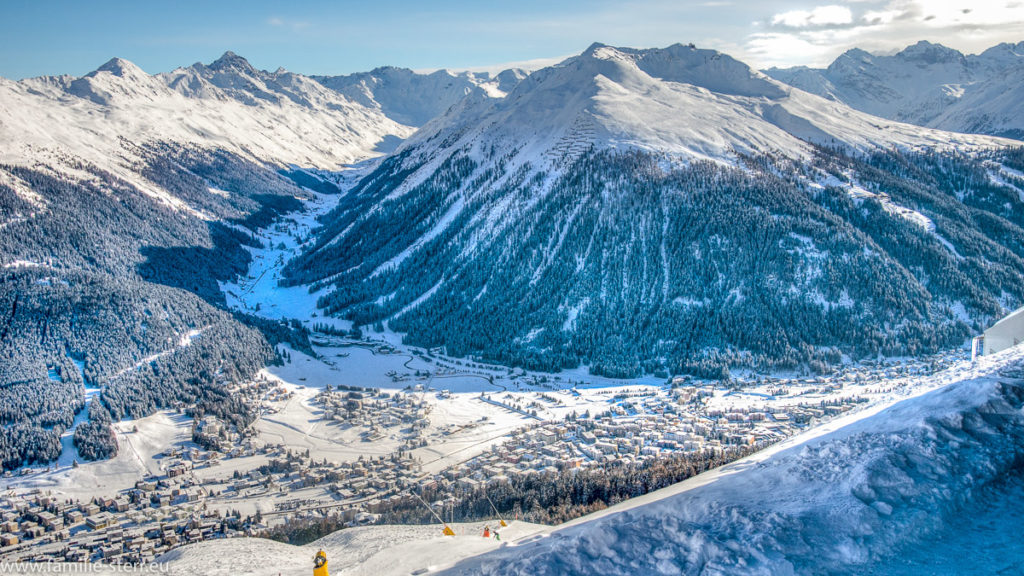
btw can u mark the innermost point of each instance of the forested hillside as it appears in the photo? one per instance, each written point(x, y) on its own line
point(674, 211)
point(107, 286)
point(631, 265)
point(125, 200)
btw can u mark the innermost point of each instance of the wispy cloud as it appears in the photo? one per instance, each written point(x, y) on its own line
point(293, 25)
point(819, 16)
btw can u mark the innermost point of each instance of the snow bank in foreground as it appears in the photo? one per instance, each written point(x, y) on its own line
point(369, 550)
point(842, 502)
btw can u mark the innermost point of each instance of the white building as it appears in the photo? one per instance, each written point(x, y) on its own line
point(1006, 333)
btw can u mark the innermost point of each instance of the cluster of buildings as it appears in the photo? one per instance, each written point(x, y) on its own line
point(639, 426)
point(378, 413)
point(134, 527)
point(627, 425)
point(160, 514)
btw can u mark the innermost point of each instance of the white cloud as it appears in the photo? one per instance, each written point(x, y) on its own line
point(820, 16)
point(816, 36)
point(295, 25)
point(879, 17)
point(773, 49)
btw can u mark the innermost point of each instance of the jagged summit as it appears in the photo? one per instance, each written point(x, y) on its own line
point(277, 117)
point(1005, 54)
point(231, 61)
point(119, 67)
point(926, 84)
point(413, 98)
point(930, 53)
point(853, 59)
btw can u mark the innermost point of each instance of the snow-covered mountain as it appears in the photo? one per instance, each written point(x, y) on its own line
point(414, 99)
point(926, 84)
point(680, 100)
point(124, 199)
point(276, 117)
point(667, 210)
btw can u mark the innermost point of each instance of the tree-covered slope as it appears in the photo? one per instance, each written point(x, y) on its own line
point(105, 286)
point(125, 200)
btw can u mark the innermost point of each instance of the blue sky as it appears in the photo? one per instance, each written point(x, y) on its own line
point(42, 37)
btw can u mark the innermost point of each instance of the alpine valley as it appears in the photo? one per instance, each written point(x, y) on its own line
point(236, 300)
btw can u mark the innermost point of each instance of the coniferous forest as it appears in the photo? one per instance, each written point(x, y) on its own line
point(104, 286)
point(631, 264)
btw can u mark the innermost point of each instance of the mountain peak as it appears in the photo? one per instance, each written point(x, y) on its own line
point(232, 61)
point(120, 67)
point(856, 54)
point(853, 61)
point(1005, 50)
point(928, 53)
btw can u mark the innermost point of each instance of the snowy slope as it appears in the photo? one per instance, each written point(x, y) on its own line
point(378, 550)
point(926, 84)
point(680, 100)
point(275, 117)
point(414, 99)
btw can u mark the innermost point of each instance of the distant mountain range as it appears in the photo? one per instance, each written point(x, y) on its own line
point(926, 84)
point(414, 99)
point(268, 116)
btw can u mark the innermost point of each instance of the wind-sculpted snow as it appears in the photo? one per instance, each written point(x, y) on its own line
point(844, 502)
